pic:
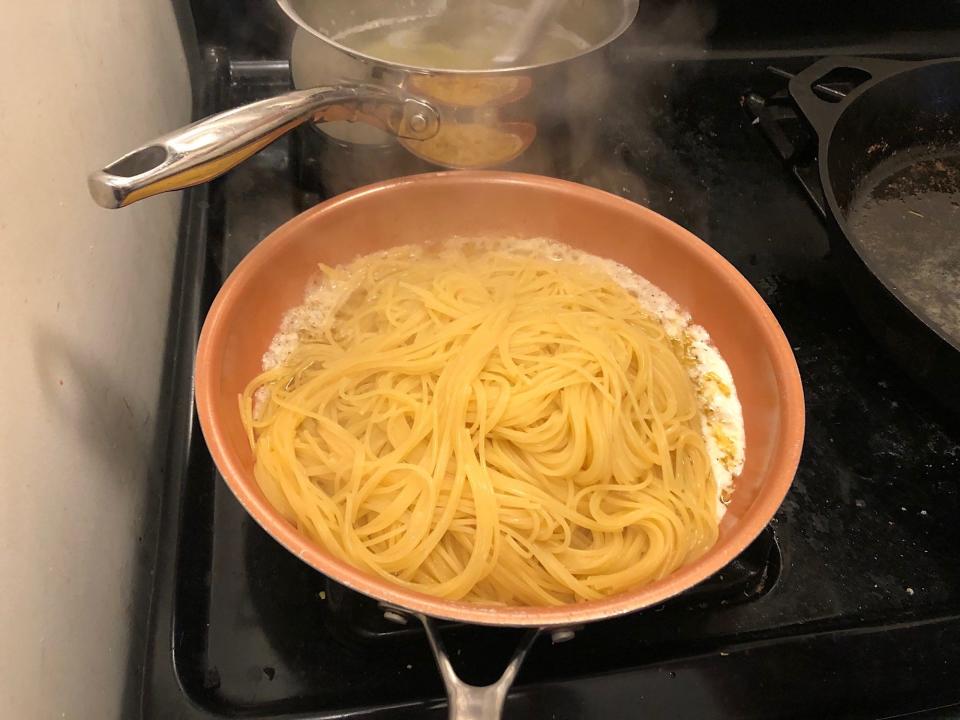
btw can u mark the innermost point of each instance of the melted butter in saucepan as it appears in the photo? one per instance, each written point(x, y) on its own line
point(465, 37)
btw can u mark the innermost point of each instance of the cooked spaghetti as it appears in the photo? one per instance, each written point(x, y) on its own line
point(479, 422)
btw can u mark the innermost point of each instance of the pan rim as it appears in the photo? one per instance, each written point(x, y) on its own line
point(778, 476)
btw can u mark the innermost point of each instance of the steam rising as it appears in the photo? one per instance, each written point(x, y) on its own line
point(633, 83)
point(597, 123)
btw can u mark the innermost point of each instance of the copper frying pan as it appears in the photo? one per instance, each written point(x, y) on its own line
point(272, 278)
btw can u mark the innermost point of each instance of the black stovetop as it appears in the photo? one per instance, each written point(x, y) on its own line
point(848, 605)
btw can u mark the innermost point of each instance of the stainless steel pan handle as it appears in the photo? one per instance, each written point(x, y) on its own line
point(466, 701)
point(472, 702)
point(210, 147)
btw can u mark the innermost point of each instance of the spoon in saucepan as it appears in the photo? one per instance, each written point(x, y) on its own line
point(527, 32)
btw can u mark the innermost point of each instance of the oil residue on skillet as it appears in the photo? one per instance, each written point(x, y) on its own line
point(906, 217)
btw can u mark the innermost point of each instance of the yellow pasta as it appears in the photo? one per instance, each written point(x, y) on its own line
point(485, 426)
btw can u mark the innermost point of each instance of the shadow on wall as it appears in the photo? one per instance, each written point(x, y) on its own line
point(85, 394)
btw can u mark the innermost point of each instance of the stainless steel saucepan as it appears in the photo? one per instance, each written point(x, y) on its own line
point(452, 117)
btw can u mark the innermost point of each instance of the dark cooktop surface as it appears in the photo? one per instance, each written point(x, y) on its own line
point(848, 605)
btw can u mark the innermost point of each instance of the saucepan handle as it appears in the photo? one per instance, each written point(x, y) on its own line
point(210, 147)
point(823, 111)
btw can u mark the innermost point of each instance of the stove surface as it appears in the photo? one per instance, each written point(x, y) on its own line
point(848, 605)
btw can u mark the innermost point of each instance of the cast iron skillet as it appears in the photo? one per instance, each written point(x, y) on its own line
point(889, 160)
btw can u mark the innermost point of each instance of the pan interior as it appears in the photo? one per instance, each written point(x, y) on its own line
point(905, 217)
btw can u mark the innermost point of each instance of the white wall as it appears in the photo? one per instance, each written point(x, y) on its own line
point(83, 306)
